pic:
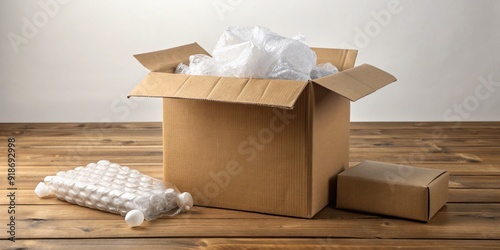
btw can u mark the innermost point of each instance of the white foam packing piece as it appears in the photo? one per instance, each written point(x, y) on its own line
point(259, 53)
point(116, 189)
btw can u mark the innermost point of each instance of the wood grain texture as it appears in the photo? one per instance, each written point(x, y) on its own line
point(254, 243)
point(470, 151)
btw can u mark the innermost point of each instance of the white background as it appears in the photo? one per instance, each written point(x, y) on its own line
point(71, 61)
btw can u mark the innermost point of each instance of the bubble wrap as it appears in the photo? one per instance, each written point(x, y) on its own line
point(116, 189)
point(260, 53)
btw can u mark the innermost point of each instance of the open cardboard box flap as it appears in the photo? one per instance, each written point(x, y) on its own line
point(357, 82)
point(163, 82)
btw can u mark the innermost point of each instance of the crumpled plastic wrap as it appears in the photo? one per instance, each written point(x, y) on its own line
point(258, 52)
point(116, 189)
point(322, 70)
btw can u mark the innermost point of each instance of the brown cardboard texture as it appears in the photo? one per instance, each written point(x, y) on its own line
point(264, 145)
point(396, 190)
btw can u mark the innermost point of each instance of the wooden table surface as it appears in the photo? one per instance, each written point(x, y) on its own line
point(471, 219)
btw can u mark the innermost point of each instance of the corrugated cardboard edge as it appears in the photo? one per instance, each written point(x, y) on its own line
point(309, 150)
point(331, 130)
point(438, 193)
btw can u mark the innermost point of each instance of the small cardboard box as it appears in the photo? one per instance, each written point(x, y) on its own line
point(264, 145)
point(396, 190)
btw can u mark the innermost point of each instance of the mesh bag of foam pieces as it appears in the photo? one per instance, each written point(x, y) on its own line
point(259, 53)
point(116, 189)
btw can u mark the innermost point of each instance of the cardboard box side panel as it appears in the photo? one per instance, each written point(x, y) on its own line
point(235, 156)
point(330, 144)
point(438, 194)
point(382, 198)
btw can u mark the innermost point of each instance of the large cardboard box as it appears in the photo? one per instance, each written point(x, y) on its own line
point(264, 145)
point(390, 189)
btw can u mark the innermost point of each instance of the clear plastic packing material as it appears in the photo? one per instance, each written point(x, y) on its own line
point(116, 189)
point(259, 53)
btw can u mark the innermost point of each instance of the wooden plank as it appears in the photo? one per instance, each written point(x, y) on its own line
point(66, 211)
point(59, 142)
point(252, 243)
point(140, 125)
point(27, 196)
point(424, 125)
point(443, 143)
point(441, 227)
point(355, 142)
point(409, 129)
point(82, 133)
point(73, 156)
point(474, 182)
point(453, 221)
point(423, 157)
point(474, 195)
point(427, 148)
point(379, 134)
point(62, 163)
point(434, 151)
point(354, 125)
point(29, 176)
point(90, 125)
point(71, 161)
point(402, 134)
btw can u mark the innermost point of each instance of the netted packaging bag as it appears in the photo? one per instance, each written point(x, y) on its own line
point(116, 189)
